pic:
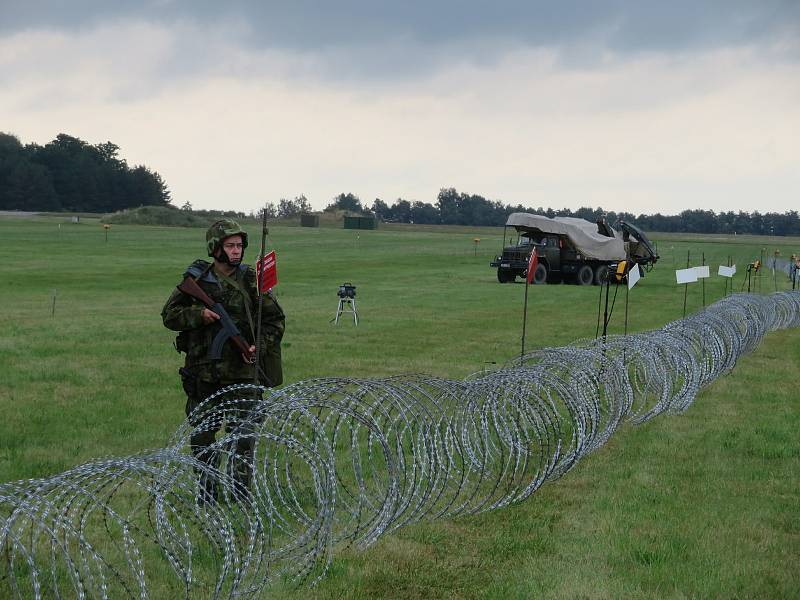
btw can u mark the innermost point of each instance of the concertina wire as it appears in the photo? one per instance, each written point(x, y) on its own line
point(340, 462)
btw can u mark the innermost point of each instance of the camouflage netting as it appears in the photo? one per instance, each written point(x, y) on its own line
point(343, 462)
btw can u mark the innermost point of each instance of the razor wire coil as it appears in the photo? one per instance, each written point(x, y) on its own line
point(340, 462)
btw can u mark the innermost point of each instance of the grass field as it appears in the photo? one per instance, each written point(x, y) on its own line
point(696, 506)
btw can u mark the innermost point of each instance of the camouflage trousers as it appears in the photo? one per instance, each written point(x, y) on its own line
point(208, 418)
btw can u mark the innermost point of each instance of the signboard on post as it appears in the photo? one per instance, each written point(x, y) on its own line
point(633, 276)
point(686, 275)
point(267, 272)
point(533, 261)
point(726, 271)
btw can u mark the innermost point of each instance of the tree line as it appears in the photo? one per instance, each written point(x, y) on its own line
point(69, 174)
point(454, 208)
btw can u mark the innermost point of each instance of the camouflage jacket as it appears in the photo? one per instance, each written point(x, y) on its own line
point(184, 314)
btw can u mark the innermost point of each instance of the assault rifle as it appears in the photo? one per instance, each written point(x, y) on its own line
point(229, 330)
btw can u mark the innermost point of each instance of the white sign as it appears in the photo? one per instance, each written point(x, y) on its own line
point(633, 276)
point(702, 272)
point(686, 275)
point(727, 271)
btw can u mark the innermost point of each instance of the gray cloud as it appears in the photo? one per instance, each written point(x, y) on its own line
point(306, 25)
point(392, 43)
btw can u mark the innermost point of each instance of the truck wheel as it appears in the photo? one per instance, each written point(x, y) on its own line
point(600, 274)
point(539, 274)
point(505, 276)
point(585, 275)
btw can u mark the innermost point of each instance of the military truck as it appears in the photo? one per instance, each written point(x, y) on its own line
point(570, 250)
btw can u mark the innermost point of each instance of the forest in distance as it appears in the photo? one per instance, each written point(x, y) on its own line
point(455, 208)
point(71, 175)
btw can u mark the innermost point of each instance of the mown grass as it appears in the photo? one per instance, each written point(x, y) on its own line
point(700, 505)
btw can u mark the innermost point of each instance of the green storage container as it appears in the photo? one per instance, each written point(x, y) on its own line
point(309, 220)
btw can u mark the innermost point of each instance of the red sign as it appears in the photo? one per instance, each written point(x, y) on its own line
point(532, 262)
point(267, 272)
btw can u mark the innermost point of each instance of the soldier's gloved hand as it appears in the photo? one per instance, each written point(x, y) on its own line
point(252, 357)
point(209, 316)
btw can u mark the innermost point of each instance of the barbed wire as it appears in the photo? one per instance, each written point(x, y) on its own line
point(340, 462)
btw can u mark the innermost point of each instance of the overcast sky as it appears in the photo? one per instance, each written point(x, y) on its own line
point(629, 105)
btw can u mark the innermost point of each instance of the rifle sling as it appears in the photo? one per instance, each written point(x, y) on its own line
point(236, 284)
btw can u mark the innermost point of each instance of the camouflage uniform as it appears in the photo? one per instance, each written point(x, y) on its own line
point(201, 375)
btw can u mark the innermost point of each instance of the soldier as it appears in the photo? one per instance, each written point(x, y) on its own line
point(233, 285)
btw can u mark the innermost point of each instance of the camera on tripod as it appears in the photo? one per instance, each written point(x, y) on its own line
point(347, 302)
point(346, 290)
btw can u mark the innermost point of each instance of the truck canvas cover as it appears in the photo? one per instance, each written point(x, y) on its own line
point(580, 232)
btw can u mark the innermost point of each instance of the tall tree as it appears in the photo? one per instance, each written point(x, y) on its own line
point(423, 212)
point(380, 209)
point(348, 201)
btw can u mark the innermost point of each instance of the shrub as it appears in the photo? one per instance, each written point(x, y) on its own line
point(156, 215)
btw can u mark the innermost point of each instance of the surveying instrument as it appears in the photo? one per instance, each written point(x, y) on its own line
point(347, 302)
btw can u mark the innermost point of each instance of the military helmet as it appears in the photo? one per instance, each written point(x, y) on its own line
point(224, 228)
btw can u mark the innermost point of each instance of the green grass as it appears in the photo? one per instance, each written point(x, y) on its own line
point(700, 505)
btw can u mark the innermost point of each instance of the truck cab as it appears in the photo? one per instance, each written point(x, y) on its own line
point(513, 262)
